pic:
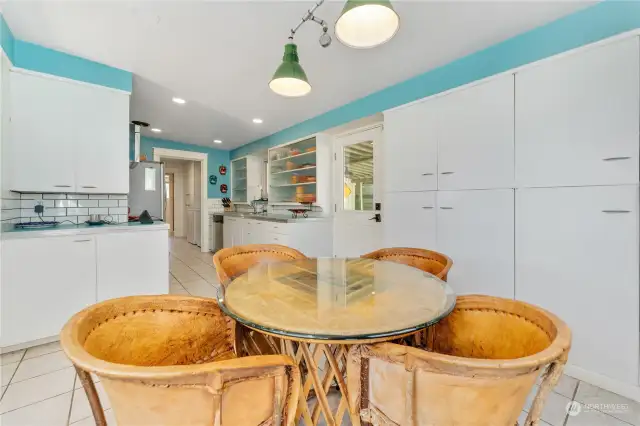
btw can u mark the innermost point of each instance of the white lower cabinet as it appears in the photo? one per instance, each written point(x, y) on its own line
point(409, 219)
point(476, 229)
point(132, 263)
point(44, 282)
point(577, 256)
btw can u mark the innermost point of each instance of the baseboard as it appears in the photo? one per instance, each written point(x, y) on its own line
point(624, 389)
point(20, 346)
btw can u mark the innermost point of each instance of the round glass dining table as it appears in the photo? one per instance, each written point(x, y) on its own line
point(316, 308)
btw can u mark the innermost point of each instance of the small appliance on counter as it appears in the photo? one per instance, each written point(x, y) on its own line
point(146, 190)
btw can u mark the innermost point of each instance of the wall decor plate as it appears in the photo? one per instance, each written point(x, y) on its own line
point(213, 179)
point(222, 169)
point(223, 188)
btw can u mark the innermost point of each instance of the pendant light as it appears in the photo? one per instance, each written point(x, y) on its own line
point(290, 79)
point(367, 23)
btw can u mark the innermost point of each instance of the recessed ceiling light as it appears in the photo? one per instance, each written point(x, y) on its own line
point(257, 120)
point(179, 101)
point(217, 141)
point(156, 130)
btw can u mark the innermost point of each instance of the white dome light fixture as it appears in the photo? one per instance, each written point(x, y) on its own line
point(364, 24)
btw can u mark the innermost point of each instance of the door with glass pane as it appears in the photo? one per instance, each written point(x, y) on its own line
point(357, 228)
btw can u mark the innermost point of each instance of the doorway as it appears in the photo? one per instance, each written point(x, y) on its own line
point(169, 202)
point(357, 227)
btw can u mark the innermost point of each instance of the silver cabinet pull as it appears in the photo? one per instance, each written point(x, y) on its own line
point(89, 186)
point(616, 211)
point(447, 173)
point(82, 241)
point(427, 207)
point(446, 208)
point(62, 186)
point(427, 174)
point(616, 158)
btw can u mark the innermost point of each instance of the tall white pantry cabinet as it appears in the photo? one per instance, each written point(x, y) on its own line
point(535, 195)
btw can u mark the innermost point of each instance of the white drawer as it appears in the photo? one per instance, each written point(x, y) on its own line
point(277, 228)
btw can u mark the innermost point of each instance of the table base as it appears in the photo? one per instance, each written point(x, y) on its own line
point(307, 356)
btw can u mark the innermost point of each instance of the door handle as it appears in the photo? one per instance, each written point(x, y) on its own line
point(377, 217)
point(62, 186)
point(616, 211)
point(446, 208)
point(616, 158)
point(447, 173)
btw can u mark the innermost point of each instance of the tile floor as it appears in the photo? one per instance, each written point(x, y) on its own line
point(40, 387)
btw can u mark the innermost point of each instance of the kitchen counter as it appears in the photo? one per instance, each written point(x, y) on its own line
point(280, 218)
point(83, 229)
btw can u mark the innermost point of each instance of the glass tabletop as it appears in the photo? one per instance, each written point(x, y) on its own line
point(336, 299)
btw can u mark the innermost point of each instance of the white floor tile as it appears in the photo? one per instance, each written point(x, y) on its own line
point(89, 421)
point(177, 289)
point(523, 417)
point(624, 409)
point(41, 365)
point(201, 288)
point(11, 357)
point(594, 418)
point(6, 371)
point(42, 350)
point(555, 407)
point(37, 389)
point(50, 412)
point(80, 407)
point(78, 384)
point(566, 386)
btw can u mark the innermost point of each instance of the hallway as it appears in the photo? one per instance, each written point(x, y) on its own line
point(191, 271)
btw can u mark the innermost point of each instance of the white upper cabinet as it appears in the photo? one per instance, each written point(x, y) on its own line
point(577, 118)
point(409, 219)
point(577, 256)
point(475, 136)
point(476, 230)
point(41, 145)
point(411, 148)
point(67, 136)
point(103, 153)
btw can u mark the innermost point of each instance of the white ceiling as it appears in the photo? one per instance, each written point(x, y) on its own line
point(220, 56)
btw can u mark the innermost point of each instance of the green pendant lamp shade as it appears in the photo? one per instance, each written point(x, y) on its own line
point(290, 79)
point(367, 23)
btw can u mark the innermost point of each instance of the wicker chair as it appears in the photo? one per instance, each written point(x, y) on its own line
point(234, 261)
point(169, 360)
point(486, 356)
point(429, 261)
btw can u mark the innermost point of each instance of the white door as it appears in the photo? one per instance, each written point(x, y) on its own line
point(577, 118)
point(475, 136)
point(132, 264)
point(411, 147)
point(45, 281)
point(356, 192)
point(410, 219)
point(42, 133)
point(102, 145)
point(476, 230)
point(577, 256)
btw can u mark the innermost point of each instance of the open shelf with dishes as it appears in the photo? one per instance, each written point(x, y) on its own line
point(245, 179)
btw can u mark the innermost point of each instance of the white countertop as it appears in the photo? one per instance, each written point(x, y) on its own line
point(68, 230)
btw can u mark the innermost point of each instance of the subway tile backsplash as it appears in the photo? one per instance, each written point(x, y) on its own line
point(74, 208)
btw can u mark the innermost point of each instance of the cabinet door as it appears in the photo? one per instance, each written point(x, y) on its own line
point(45, 281)
point(102, 144)
point(577, 118)
point(227, 232)
point(475, 137)
point(476, 230)
point(238, 232)
point(132, 264)
point(42, 128)
point(409, 220)
point(577, 256)
point(410, 159)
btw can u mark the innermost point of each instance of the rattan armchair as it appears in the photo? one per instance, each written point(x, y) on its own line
point(169, 360)
point(429, 261)
point(483, 361)
point(234, 261)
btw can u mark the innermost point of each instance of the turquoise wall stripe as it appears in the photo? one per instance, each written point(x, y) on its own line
point(37, 58)
point(215, 158)
point(595, 23)
point(6, 38)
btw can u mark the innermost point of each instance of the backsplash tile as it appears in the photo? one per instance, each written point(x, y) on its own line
point(74, 208)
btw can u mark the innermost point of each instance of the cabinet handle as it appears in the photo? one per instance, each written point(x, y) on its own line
point(427, 174)
point(446, 208)
point(616, 211)
point(427, 207)
point(62, 186)
point(82, 241)
point(89, 186)
point(616, 158)
point(447, 173)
